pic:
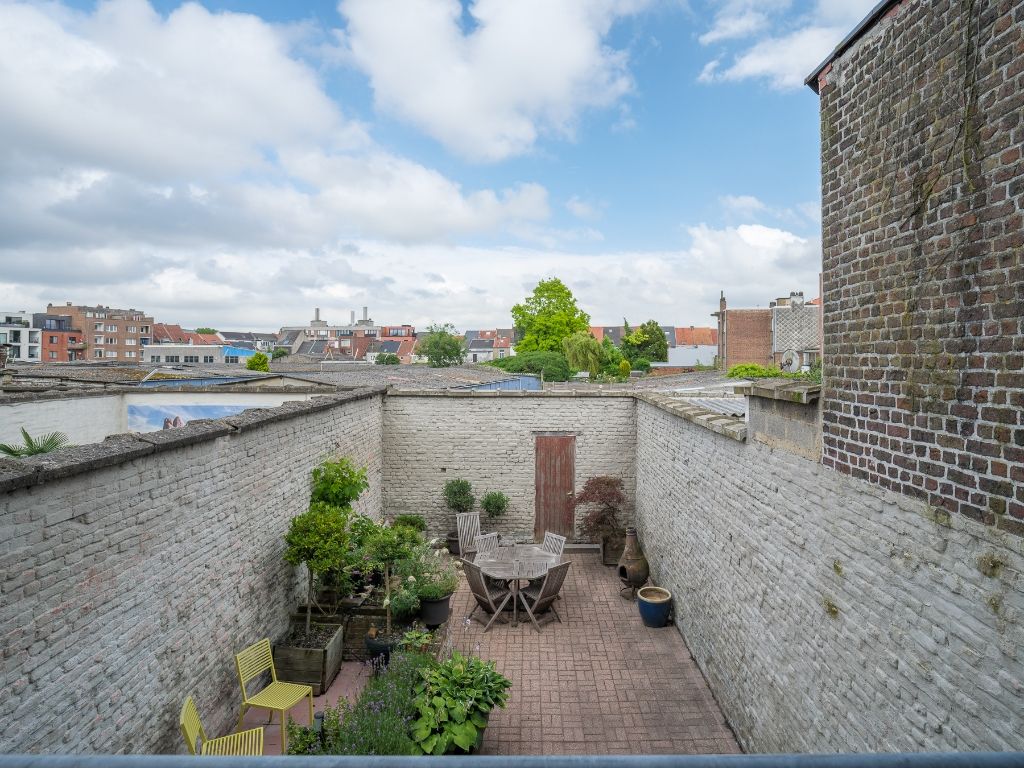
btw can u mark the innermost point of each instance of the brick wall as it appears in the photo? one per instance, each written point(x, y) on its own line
point(748, 337)
point(488, 438)
point(135, 568)
point(923, 235)
point(829, 614)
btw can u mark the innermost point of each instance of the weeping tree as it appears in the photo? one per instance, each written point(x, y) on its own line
point(318, 538)
point(583, 352)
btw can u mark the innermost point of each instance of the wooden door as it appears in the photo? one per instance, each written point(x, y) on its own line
point(555, 476)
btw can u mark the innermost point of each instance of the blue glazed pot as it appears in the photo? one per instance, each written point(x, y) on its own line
point(655, 604)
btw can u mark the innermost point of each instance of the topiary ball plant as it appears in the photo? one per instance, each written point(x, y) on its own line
point(494, 503)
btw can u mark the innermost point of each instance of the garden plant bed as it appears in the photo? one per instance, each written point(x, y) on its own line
point(315, 666)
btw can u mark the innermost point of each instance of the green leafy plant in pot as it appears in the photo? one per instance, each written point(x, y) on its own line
point(495, 504)
point(319, 539)
point(384, 547)
point(435, 588)
point(604, 497)
point(458, 495)
point(453, 703)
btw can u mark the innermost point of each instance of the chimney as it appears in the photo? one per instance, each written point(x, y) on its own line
point(69, 303)
point(365, 315)
point(721, 302)
point(316, 314)
point(353, 321)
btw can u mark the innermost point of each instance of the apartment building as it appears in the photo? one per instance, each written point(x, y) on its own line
point(61, 340)
point(109, 334)
point(19, 337)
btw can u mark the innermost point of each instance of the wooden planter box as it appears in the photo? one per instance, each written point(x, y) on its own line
point(312, 666)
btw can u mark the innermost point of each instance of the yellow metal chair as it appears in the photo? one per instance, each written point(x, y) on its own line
point(277, 697)
point(245, 743)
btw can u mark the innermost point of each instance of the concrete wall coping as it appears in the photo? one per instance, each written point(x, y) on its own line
point(15, 395)
point(728, 426)
point(545, 393)
point(122, 448)
point(790, 390)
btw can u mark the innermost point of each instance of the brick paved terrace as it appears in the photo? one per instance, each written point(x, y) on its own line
point(600, 682)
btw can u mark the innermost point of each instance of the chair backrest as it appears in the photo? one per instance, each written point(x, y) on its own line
point(552, 585)
point(191, 727)
point(468, 524)
point(477, 585)
point(505, 554)
point(486, 544)
point(253, 662)
point(553, 543)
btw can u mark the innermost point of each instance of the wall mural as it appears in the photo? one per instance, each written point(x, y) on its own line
point(150, 418)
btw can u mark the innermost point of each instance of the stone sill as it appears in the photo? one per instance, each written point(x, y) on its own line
point(728, 426)
point(789, 390)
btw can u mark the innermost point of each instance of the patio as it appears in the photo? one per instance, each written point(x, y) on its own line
point(579, 686)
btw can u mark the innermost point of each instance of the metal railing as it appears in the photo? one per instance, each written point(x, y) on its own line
point(903, 760)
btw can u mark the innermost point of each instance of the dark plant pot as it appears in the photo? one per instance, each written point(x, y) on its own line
point(310, 666)
point(378, 649)
point(452, 542)
point(611, 549)
point(434, 613)
point(655, 605)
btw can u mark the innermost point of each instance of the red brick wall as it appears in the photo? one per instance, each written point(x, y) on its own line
point(923, 257)
point(748, 337)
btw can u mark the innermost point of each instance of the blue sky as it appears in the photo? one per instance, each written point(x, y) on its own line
point(237, 163)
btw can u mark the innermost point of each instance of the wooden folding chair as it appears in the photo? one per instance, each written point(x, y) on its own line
point(277, 696)
point(468, 525)
point(248, 742)
point(537, 599)
point(486, 544)
point(491, 599)
point(553, 543)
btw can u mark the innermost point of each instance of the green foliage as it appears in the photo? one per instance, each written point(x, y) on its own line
point(441, 346)
point(458, 495)
point(647, 342)
point(438, 580)
point(547, 317)
point(624, 368)
point(388, 358)
point(494, 503)
point(258, 362)
point(551, 365)
point(279, 352)
point(206, 330)
point(584, 352)
point(377, 724)
point(338, 482)
point(405, 602)
point(417, 639)
point(319, 538)
point(416, 522)
point(384, 547)
point(32, 446)
point(454, 701)
point(642, 364)
point(611, 358)
point(754, 371)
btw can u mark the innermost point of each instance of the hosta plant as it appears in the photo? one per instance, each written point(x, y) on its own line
point(453, 702)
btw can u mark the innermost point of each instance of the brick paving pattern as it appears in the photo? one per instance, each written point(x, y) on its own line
point(598, 683)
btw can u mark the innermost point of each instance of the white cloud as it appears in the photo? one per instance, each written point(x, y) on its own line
point(233, 287)
point(125, 125)
point(742, 204)
point(787, 45)
point(525, 68)
point(581, 209)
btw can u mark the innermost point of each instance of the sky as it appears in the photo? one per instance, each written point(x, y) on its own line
point(235, 164)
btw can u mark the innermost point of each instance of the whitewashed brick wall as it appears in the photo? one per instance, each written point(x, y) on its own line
point(926, 650)
point(488, 439)
point(130, 585)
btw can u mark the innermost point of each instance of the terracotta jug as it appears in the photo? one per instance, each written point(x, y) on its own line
point(633, 566)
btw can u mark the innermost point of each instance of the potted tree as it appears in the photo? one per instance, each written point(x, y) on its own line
point(458, 495)
point(311, 653)
point(494, 503)
point(605, 498)
point(385, 547)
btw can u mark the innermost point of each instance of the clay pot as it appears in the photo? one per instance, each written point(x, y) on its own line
point(633, 566)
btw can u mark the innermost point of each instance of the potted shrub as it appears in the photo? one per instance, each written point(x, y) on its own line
point(494, 503)
point(435, 588)
point(311, 653)
point(338, 482)
point(601, 523)
point(458, 495)
point(385, 547)
point(453, 703)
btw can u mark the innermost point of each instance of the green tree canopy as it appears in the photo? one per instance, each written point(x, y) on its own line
point(647, 342)
point(206, 330)
point(258, 362)
point(441, 346)
point(547, 317)
point(583, 352)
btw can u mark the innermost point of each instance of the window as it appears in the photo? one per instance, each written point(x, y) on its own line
point(145, 329)
point(111, 329)
point(88, 314)
point(97, 353)
point(132, 329)
point(72, 339)
point(191, 358)
point(173, 359)
point(207, 358)
point(130, 342)
point(129, 353)
point(501, 353)
point(97, 326)
point(53, 339)
point(154, 358)
point(230, 358)
point(111, 353)
point(111, 340)
point(53, 355)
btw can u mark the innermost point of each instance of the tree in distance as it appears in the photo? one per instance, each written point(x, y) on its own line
point(547, 317)
point(441, 346)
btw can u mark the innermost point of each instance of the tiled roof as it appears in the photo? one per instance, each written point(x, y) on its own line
point(696, 337)
point(481, 344)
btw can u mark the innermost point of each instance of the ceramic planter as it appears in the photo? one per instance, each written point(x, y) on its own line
point(655, 604)
point(434, 613)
